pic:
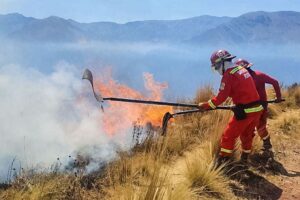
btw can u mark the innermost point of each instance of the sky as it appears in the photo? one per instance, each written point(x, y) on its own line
point(132, 10)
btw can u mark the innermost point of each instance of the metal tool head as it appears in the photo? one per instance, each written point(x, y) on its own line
point(87, 74)
point(165, 121)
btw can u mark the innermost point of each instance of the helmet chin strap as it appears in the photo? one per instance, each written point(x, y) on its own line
point(224, 66)
point(221, 69)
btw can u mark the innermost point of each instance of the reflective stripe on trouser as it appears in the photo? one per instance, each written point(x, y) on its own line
point(254, 109)
point(247, 151)
point(262, 126)
point(239, 128)
point(227, 151)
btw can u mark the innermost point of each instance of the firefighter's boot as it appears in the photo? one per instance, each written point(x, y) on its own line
point(267, 146)
point(267, 149)
point(244, 158)
point(242, 164)
point(223, 161)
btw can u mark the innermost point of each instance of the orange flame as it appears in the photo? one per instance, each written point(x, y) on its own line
point(120, 116)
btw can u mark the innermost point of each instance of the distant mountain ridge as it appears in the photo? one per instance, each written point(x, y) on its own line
point(254, 27)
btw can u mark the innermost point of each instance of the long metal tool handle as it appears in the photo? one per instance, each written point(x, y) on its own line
point(89, 76)
point(150, 102)
point(274, 101)
point(199, 110)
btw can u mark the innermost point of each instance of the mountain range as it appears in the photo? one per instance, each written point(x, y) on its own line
point(255, 27)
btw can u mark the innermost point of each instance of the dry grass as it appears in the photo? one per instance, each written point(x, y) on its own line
point(42, 186)
point(292, 94)
point(201, 175)
point(177, 166)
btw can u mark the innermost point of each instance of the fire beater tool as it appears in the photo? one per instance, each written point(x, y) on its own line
point(89, 76)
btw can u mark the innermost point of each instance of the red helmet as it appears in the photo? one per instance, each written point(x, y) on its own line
point(244, 63)
point(219, 56)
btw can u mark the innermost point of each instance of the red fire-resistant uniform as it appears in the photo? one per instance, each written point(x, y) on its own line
point(238, 84)
point(260, 80)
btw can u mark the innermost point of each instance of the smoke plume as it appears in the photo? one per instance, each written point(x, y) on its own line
point(45, 117)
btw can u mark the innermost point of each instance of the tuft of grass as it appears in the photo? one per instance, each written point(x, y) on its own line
point(204, 94)
point(296, 96)
point(287, 121)
point(292, 94)
point(198, 176)
point(43, 186)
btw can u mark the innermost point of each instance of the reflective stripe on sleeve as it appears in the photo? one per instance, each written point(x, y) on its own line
point(226, 150)
point(211, 104)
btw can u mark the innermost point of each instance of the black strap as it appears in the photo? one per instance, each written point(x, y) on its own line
point(252, 104)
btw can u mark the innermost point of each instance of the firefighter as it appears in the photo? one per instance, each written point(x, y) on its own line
point(238, 84)
point(260, 80)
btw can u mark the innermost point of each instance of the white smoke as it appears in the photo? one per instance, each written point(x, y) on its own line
point(45, 117)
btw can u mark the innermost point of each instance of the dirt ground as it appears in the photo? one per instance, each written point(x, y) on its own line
point(289, 183)
point(286, 136)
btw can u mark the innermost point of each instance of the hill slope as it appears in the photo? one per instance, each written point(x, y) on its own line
point(256, 27)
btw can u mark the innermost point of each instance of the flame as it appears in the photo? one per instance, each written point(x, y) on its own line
point(119, 116)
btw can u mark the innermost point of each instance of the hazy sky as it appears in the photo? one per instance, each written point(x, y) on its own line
point(130, 10)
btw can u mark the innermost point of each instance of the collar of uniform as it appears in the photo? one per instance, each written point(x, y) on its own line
point(230, 67)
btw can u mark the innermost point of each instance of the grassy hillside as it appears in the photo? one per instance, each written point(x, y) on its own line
point(178, 166)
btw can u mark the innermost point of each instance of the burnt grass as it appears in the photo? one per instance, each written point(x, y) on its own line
point(249, 184)
point(4, 186)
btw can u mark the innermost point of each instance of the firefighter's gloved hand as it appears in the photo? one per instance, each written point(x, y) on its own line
point(204, 106)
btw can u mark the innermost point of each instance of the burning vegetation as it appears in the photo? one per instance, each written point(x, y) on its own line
point(119, 116)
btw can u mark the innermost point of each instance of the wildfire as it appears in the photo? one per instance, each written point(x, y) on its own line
point(119, 116)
